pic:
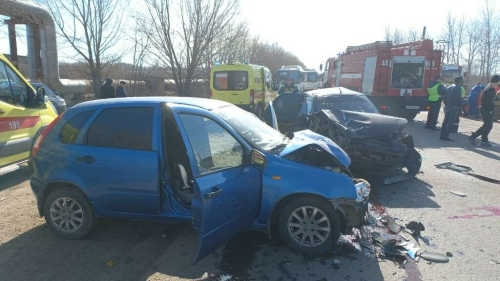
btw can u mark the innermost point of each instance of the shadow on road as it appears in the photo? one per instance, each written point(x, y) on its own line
point(412, 194)
point(116, 250)
point(14, 178)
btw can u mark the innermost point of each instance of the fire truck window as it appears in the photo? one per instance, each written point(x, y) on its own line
point(407, 75)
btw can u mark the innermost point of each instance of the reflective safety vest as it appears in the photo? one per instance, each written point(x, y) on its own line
point(463, 92)
point(433, 92)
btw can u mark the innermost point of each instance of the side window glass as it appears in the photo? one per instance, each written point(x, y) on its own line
point(309, 102)
point(214, 147)
point(71, 129)
point(10, 91)
point(303, 108)
point(126, 128)
point(12, 88)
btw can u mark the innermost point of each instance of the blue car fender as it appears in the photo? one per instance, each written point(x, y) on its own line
point(283, 178)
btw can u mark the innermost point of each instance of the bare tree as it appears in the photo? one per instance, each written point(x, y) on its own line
point(200, 23)
point(472, 46)
point(490, 40)
point(140, 51)
point(453, 34)
point(91, 28)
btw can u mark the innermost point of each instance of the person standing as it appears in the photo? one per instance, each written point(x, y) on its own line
point(453, 105)
point(120, 91)
point(487, 109)
point(436, 92)
point(473, 97)
point(288, 87)
point(107, 90)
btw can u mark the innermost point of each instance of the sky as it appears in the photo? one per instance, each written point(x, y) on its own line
point(315, 30)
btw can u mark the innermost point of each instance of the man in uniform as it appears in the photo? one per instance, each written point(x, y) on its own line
point(453, 105)
point(288, 87)
point(436, 92)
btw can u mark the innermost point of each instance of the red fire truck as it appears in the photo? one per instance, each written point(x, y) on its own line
point(395, 76)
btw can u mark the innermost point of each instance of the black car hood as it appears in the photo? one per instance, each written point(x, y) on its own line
point(364, 125)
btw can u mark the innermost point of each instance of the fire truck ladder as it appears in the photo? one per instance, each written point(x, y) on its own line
point(368, 47)
point(383, 77)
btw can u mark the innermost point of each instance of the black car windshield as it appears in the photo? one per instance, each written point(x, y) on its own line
point(284, 74)
point(359, 103)
point(251, 127)
point(312, 77)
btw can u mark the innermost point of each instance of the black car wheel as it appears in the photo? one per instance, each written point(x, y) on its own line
point(413, 162)
point(68, 212)
point(309, 226)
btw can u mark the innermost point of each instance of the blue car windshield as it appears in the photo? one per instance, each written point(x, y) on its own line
point(251, 127)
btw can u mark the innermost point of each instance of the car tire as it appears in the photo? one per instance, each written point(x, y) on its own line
point(68, 213)
point(321, 234)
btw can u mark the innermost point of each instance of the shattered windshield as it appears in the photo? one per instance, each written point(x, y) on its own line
point(359, 103)
point(250, 127)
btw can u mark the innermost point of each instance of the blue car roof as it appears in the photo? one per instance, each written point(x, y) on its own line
point(208, 104)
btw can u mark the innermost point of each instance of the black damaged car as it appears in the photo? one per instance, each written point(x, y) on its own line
point(378, 145)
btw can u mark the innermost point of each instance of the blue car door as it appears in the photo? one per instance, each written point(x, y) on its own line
point(226, 190)
point(115, 158)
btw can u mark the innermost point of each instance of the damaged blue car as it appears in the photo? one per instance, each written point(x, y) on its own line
point(198, 161)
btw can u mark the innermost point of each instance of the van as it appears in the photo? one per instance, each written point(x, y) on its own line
point(24, 113)
point(247, 86)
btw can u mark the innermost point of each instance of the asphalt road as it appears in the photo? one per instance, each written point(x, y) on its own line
point(467, 227)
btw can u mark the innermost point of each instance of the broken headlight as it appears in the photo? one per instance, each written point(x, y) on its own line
point(362, 190)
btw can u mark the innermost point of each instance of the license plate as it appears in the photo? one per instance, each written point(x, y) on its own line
point(412, 107)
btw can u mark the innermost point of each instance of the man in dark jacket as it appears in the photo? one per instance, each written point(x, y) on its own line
point(436, 92)
point(120, 91)
point(107, 90)
point(453, 105)
point(487, 111)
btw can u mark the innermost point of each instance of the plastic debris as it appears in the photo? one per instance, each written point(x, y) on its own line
point(415, 227)
point(494, 262)
point(458, 193)
point(110, 263)
point(2, 198)
point(434, 257)
point(336, 261)
point(448, 254)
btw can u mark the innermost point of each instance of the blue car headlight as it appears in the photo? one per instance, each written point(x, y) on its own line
point(362, 190)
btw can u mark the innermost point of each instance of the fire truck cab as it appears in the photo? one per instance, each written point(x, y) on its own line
point(395, 77)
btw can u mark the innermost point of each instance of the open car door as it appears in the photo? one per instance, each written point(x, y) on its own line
point(226, 187)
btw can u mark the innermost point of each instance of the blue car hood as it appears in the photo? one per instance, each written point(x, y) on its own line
point(308, 137)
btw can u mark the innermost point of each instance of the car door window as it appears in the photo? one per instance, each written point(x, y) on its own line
point(213, 146)
point(12, 88)
point(126, 128)
point(71, 129)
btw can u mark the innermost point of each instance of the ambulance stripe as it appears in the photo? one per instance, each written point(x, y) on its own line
point(15, 123)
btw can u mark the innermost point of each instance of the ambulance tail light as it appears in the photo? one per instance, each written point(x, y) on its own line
point(251, 97)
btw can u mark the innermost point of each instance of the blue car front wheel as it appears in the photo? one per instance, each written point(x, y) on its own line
point(309, 226)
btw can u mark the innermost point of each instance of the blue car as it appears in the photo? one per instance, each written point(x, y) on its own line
point(198, 161)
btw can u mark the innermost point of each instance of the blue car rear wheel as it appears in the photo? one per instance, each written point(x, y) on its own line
point(68, 213)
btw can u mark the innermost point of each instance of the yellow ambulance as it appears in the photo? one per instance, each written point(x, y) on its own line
point(245, 85)
point(24, 113)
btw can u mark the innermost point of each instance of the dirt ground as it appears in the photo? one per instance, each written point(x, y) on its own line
point(467, 227)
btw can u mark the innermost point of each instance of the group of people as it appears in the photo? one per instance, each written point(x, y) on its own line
point(108, 91)
point(453, 97)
